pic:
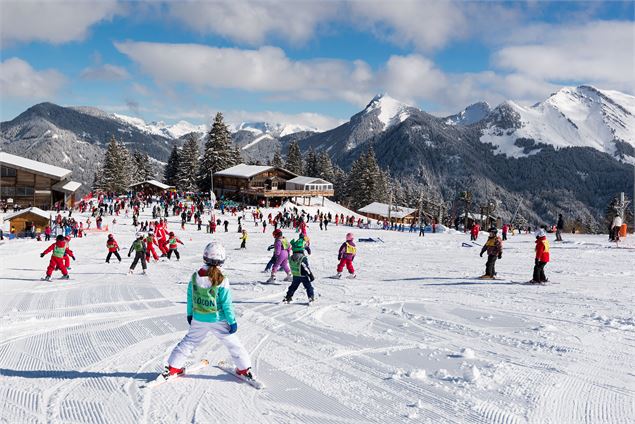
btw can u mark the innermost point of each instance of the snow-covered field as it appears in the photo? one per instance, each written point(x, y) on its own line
point(414, 339)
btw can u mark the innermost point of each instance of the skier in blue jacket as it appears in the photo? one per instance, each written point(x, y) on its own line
point(210, 310)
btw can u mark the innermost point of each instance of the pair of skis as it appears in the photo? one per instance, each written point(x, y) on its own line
point(202, 364)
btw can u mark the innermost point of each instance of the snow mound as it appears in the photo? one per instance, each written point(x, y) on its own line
point(418, 374)
point(471, 374)
point(468, 353)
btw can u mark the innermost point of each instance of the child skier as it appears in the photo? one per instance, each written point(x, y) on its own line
point(59, 249)
point(68, 254)
point(300, 270)
point(494, 248)
point(210, 310)
point(542, 257)
point(151, 241)
point(244, 237)
point(346, 254)
point(113, 248)
point(139, 247)
point(281, 252)
point(172, 244)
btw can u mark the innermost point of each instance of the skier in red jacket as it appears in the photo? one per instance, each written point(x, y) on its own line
point(151, 241)
point(542, 257)
point(59, 248)
point(172, 244)
point(113, 248)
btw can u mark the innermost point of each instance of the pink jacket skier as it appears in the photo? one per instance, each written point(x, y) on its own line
point(281, 251)
point(346, 254)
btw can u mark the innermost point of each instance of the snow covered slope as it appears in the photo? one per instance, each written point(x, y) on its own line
point(173, 131)
point(388, 110)
point(581, 116)
point(470, 115)
point(414, 339)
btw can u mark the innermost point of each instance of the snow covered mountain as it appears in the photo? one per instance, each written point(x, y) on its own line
point(581, 116)
point(470, 115)
point(75, 138)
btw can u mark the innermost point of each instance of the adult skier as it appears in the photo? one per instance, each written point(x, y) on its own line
point(494, 248)
point(59, 249)
point(346, 255)
point(210, 310)
point(113, 248)
point(173, 247)
point(139, 248)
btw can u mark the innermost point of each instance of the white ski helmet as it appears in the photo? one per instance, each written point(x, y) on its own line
point(139, 235)
point(214, 253)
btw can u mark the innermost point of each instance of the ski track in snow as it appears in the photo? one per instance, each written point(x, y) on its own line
point(392, 345)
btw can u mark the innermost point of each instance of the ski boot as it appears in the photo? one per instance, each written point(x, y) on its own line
point(352, 276)
point(65, 277)
point(287, 299)
point(311, 299)
point(485, 277)
point(338, 275)
point(245, 373)
point(46, 278)
point(170, 371)
point(271, 279)
point(130, 271)
point(144, 272)
point(289, 278)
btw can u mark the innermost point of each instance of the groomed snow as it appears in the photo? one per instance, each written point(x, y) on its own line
point(415, 339)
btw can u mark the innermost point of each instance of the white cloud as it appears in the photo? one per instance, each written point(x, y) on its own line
point(249, 21)
point(266, 69)
point(412, 77)
point(600, 52)
point(52, 21)
point(104, 72)
point(19, 79)
point(426, 24)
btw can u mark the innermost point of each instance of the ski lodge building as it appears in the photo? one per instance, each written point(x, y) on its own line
point(267, 184)
point(399, 214)
point(27, 182)
point(151, 187)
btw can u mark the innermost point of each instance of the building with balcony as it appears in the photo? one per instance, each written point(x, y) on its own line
point(265, 185)
point(25, 182)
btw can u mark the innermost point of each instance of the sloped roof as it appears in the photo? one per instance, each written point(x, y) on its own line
point(34, 166)
point(154, 183)
point(244, 171)
point(35, 211)
point(67, 186)
point(308, 180)
point(381, 209)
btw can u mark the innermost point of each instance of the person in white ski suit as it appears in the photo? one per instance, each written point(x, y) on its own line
point(210, 310)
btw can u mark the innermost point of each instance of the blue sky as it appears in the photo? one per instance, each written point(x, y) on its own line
point(309, 62)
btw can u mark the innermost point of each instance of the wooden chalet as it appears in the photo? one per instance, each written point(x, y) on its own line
point(398, 214)
point(260, 184)
point(27, 182)
point(28, 222)
point(151, 187)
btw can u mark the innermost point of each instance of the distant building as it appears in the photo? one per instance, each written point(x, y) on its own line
point(28, 222)
point(151, 187)
point(265, 184)
point(27, 182)
point(380, 212)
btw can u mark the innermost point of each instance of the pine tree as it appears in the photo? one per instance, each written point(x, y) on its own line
point(172, 168)
point(218, 153)
point(187, 174)
point(115, 174)
point(142, 167)
point(324, 167)
point(294, 159)
point(367, 183)
point(311, 163)
point(277, 160)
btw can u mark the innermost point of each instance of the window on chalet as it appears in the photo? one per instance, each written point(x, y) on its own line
point(8, 172)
